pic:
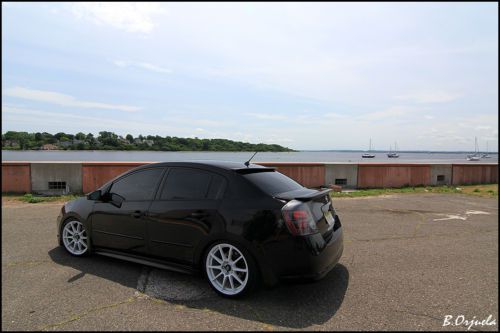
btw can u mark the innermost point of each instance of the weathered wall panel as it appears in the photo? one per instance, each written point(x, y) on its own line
point(393, 175)
point(43, 173)
point(474, 174)
point(98, 173)
point(16, 177)
point(441, 171)
point(342, 171)
point(307, 174)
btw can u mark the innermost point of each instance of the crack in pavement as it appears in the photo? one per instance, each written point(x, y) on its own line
point(27, 263)
point(87, 312)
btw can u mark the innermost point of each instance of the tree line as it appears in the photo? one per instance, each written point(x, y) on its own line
point(13, 140)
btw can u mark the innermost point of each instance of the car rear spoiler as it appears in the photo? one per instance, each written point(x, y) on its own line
point(304, 196)
point(245, 171)
point(310, 196)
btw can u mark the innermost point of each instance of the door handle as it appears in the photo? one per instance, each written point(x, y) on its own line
point(137, 214)
point(199, 214)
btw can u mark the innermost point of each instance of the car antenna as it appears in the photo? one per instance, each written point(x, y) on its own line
point(247, 163)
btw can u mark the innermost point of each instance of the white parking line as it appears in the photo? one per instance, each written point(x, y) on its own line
point(460, 217)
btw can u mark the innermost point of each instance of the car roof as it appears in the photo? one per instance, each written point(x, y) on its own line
point(239, 167)
point(226, 165)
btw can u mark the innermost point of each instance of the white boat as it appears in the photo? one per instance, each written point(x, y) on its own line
point(475, 156)
point(393, 154)
point(486, 155)
point(368, 155)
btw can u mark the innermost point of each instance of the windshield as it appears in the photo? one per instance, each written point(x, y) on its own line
point(273, 182)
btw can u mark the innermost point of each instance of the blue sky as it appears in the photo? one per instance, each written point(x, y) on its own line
point(306, 76)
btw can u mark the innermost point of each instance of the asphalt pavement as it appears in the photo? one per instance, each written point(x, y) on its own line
point(409, 261)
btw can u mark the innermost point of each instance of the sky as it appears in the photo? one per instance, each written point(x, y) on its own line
point(308, 76)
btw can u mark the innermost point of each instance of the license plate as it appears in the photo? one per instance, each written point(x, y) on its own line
point(329, 218)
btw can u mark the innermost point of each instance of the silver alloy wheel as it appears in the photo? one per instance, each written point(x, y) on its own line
point(227, 269)
point(75, 238)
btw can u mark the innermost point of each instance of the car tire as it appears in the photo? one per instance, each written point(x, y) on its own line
point(75, 238)
point(230, 269)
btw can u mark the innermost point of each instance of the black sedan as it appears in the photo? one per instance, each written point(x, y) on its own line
point(238, 224)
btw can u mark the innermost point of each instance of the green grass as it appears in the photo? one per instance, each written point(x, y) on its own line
point(490, 190)
point(30, 198)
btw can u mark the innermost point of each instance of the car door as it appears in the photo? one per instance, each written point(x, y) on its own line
point(184, 211)
point(123, 227)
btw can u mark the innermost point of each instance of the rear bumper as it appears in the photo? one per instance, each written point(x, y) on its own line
point(308, 257)
point(313, 264)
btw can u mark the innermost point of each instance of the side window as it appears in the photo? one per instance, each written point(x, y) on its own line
point(217, 187)
point(139, 185)
point(192, 184)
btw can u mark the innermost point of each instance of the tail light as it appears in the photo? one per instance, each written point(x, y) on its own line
point(299, 219)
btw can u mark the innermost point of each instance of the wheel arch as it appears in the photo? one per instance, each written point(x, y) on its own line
point(264, 272)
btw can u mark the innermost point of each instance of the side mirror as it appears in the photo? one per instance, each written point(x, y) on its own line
point(116, 200)
point(96, 195)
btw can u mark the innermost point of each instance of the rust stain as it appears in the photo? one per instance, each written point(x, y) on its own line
point(474, 174)
point(16, 177)
point(390, 175)
point(307, 174)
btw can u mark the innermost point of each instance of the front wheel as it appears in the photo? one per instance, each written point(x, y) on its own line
point(231, 271)
point(75, 238)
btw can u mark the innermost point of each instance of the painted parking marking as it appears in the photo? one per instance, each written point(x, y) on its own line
point(460, 217)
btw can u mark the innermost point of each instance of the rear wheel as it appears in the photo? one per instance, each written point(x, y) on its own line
point(75, 238)
point(230, 270)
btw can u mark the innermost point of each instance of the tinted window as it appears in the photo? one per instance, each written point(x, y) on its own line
point(192, 184)
point(140, 185)
point(217, 187)
point(273, 182)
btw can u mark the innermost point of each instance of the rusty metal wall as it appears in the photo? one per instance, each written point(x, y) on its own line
point(96, 174)
point(16, 177)
point(393, 175)
point(307, 174)
point(474, 174)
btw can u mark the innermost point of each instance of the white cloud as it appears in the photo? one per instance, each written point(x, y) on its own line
point(391, 113)
point(56, 121)
point(143, 65)
point(429, 97)
point(482, 127)
point(428, 116)
point(266, 116)
point(128, 16)
point(63, 99)
point(334, 115)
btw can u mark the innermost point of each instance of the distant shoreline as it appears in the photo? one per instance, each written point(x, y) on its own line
point(250, 151)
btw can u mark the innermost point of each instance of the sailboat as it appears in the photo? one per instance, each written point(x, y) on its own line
point(393, 154)
point(486, 155)
point(368, 155)
point(475, 156)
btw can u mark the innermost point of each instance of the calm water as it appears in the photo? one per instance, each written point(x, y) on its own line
point(302, 156)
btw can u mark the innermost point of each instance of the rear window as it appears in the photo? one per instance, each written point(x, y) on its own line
point(273, 182)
